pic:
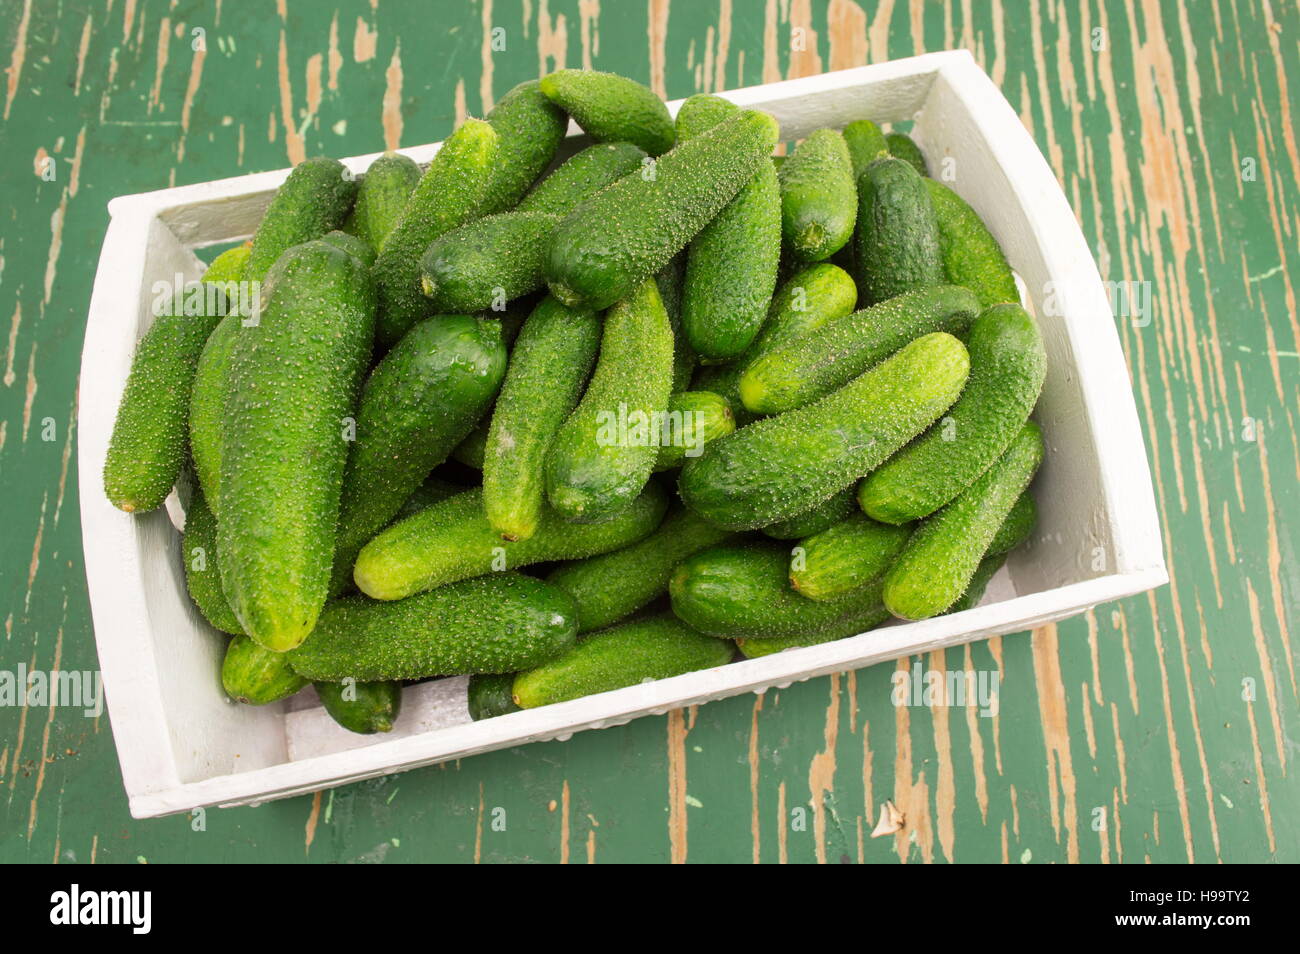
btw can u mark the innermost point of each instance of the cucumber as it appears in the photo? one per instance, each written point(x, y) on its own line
point(842, 558)
point(897, 243)
point(382, 197)
point(1008, 364)
point(971, 255)
point(354, 245)
point(362, 707)
point(531, 129)
point(700, 112)
point(1016, 529)
point(452, 541)
point(207, 406)
point(670, 280)
point(816, 518)
point(866, 144)
point(612, 108)
point(819, 202)
point(610, 244)
point(778, 467)
point(257, 676)
point(315, 199)
point(979, 583)
point(420, 401)
point(692, 420)
point(941, 557)
point(202, 571)
point(499, 623)
point(611, 586)
point(902, 147)
point(487, 261)
point(472, 449)
point(629, 654)
point(489, 695)
point(294, 377)
point(810, 367)
point(433, 490)
point(868, 617)
point(581, 176)
point(603, 453)
point(454, 189)
point(548, 369)
point(731, 270)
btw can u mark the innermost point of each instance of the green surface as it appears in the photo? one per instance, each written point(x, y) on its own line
point(1123, 735)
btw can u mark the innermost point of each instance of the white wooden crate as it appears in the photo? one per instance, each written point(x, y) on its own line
point(182, 744)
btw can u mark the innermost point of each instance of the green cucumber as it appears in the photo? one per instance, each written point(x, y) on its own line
point(202, 572)
point(433, 490)
point(207, 406)
point(473, 448)
point(815, 519)
point(499, 623)
point(354, 245)
point(670, 280)
point(819, 202)
point(867, 618)
point(778, 467)
point(609, 245)
point(941, 557)
point(692, 420)
point(582, 176)
point(489, 695)
point(294, 378)
point(382, 197)
point(852, 553)
point(807, 368)
point(487, 262)
point(548, 369)
point(979, 583)
point(313, 200)
point(866, 144)
point(453, 540)
point(971, 255)
point(453, 190)
point(257, 676)
point(897, 243)
point(700, 112)
point(420, 401)
point(604, 452)
point(1016, 529)
point(1008, 365)
point(611, 586)
point(531, 129)
point(362, 707)
point(612, 108)
point(902, 147)
point(629, 654)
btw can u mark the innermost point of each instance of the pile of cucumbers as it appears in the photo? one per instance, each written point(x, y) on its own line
point(569, 426)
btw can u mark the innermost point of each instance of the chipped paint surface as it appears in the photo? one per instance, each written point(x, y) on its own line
point(1159, 728)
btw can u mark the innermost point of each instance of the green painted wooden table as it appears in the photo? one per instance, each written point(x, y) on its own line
point(1160, 728)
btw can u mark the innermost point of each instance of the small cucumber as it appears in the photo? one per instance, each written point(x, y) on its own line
point(433, 490)
point(866, 144)
point(207, 406)
point(609, 245)
point(902, 147)
point(202, 572)
point(382, 197)
point(842, 558)
point(362, 707)
point(611, 586)
point(971, 255)
point(819, 202)
point(612, 108)
point(941, 557)
point(604, 452)
point(582, 176)
point(229, 266)
point(692, 420)
point(354, 245)
point(810, 367)
point(700, 112)
point(502, 622)
point(548, 370)
point(487, 262)
point(1016, 529)
point(670, 280)
point(452, 541)
point(629, 654)
point(868, 617)
point(294, 377)
point(530, 129)
point(979, 583)
point(257, 676)
point(897, 243)
point(315, 199)
point(490, 695)
point(472, 449)
point(1008, 365)
point(775, 468)
point(815, 519)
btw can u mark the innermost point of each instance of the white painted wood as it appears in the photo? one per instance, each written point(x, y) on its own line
point(182, 745)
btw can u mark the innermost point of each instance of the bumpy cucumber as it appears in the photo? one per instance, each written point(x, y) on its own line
point(1008, 365)
point(868, 617)
point(315, 199)
point(294, 377)
point(362, 707)
point(979, 583)
point(452, 540)
point(866, 144)
point(693, 419)
point(433, 490)
point(502, 622)
point(611, 586)
point(852, 553)
point(548, 369)
point(608, 246)
point(582, 176)
point(1019, 524)
point(612, 108)
point(382, 197)
point(700, 112)
point(419, 403)
point(731, 270)
point(819, 202)
point(816, 364)
point(902, 147)
point(207, 406)
point(472, 449)
point(530, 128)
point(897, 243)
point(625, 655)
point(354, 245)
point(603, 453)
point(490, 695)
point(454, 189)
point(487, 261)
point(202, 571)
point(778, 467)
point(255, 675)
point(971, 255)
point(941, 557)
point(815, 519)
point(670, 280)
